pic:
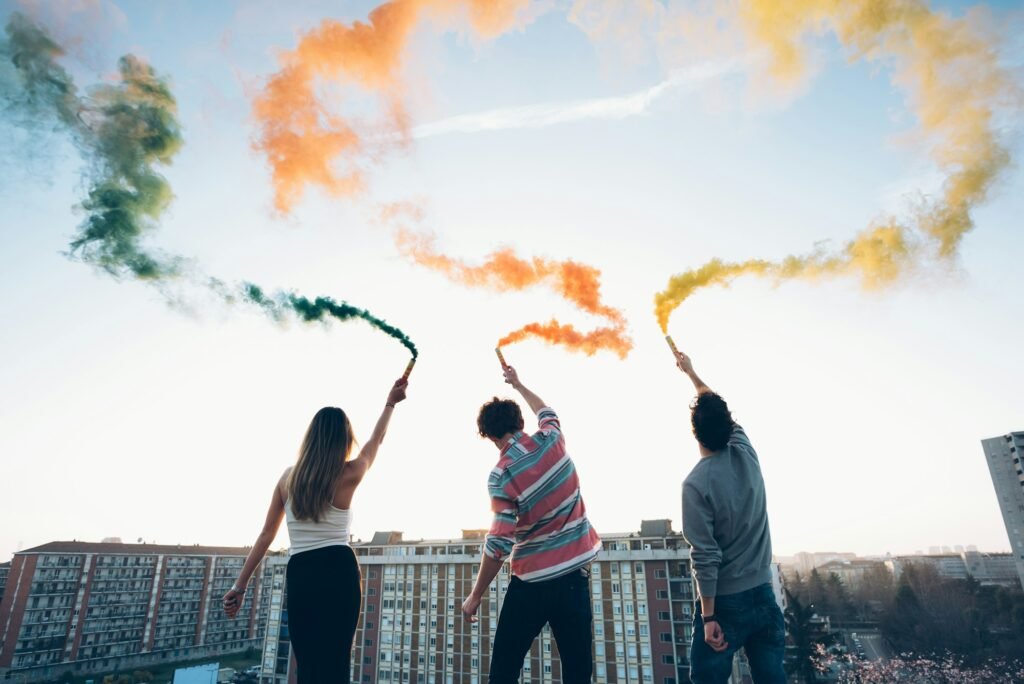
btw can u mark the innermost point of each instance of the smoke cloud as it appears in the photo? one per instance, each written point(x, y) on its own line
point(504, 271)
point(949, 68)
point(122, 131)
point(305, 143)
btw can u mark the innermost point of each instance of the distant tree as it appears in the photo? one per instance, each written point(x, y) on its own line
point(805, 636)
point(838, 598)
point(140, 676)
point(817, 593)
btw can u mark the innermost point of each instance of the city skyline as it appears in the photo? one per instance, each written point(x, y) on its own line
point(123, 416)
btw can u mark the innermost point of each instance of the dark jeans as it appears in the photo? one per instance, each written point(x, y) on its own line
point(323, 609)
point(750, 620)
point(564, 603)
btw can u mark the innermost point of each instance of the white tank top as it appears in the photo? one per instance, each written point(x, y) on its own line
point(332, 530)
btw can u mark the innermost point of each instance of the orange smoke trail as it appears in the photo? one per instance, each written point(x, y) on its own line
point(956, 86)
point(504, 271)
point(304, 141)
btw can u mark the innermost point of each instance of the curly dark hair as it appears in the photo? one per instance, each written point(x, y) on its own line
point(712, 423)
point(498, 417)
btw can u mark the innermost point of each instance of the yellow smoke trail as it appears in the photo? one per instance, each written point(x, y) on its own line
point(303, 140)
point(949, 68)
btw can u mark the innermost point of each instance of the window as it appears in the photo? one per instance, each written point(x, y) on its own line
point(660, 574)
point(663, 615)
point(668, 659)
point(662, 594)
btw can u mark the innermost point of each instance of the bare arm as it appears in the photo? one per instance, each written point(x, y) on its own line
point(684, 364)
point(275, 513)
point(533, 401)
point(368, 453)
point(489, 568)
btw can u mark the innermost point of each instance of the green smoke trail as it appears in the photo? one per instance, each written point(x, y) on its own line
point(319, 309)
point(121, 131)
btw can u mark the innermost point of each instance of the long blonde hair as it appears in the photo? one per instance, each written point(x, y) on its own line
point(322, 457)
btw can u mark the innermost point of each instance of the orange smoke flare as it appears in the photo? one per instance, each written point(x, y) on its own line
point(304, 141)
point(504, 271)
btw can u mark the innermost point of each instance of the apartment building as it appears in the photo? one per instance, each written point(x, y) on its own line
point(986, 568)
point(92, 608)
point(5, 570)
point(411, 629)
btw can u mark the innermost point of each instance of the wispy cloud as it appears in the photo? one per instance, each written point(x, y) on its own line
point(618, 107)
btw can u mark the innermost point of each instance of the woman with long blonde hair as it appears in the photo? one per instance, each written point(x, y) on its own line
point(323, 580)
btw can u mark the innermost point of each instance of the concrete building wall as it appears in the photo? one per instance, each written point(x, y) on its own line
point(1004, 456)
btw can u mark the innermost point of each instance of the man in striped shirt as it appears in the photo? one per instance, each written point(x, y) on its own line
point(540, 522)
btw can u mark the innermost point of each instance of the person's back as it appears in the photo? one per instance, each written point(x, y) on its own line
point(729, 484)
point(332, 529)
point(725, 522)
point(322, 577)
point(551, 534)
point(540, 522)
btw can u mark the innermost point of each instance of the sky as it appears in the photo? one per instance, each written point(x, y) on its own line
point(123, 416)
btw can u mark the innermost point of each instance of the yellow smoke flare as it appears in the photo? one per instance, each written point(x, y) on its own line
point(955, 85)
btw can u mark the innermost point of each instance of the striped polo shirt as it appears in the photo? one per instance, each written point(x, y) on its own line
point(539, 516)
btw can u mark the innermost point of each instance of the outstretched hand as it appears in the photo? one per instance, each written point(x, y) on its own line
point(511, 377)
point(397, 392)
point(684, 363)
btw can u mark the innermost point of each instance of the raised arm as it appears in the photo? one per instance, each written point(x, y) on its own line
point(533, 401)
point(368, 453)
point(234, 599)
point(684, 364)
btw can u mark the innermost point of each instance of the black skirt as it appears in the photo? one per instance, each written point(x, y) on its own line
point(324, 595)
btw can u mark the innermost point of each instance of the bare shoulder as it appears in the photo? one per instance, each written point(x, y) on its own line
point(282, 483)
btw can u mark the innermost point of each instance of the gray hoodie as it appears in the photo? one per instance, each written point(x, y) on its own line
point(725, 520)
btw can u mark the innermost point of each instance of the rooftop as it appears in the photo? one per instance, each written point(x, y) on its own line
point(136, 549)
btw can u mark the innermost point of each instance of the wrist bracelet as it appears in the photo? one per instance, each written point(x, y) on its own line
point(237, 589)
point(709, 618)
point(389, 405)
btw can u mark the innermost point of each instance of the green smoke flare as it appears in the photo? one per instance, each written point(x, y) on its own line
point(319, 309)
point(121, 131)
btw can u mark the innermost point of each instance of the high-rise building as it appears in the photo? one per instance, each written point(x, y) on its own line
point(1004, 455)
point(411, 628)
point(91, 608)
point(5, 570)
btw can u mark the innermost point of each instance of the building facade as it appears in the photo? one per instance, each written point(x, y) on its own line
point(93, 608)
point(411, 628)
point(5, 570)
point(1003, 455)
point(986, 568)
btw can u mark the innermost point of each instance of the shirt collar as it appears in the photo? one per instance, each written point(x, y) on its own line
point(516, 436)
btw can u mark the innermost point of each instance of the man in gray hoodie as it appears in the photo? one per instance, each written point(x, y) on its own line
point(725, 521)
